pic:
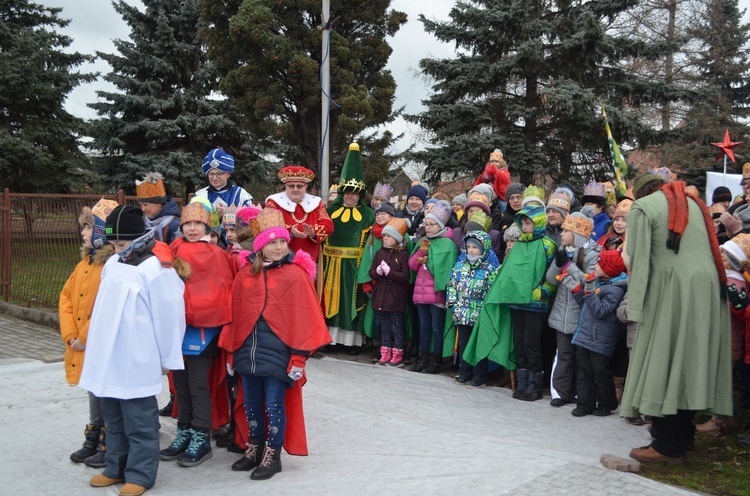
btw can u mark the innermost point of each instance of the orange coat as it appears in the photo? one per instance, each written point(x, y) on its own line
point(76, 305)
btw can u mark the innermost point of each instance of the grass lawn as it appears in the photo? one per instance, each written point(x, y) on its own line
point(717, 466)
point(39, 271)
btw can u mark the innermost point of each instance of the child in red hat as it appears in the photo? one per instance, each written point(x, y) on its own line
point(597, 333)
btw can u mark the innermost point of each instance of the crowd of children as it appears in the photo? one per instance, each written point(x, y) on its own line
point(479, 282)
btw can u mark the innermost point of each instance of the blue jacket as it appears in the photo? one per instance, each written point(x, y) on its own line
point(263, 354)
point(601, 225)
point(598, 328)
point(470, 281)
point(166, 223)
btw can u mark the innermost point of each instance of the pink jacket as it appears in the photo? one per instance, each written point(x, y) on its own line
point(424, 285)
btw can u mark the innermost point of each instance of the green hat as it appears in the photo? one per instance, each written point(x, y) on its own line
point(352, 178)
point(644, 180)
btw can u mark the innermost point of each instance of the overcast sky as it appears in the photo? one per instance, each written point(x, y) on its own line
point(94, 23)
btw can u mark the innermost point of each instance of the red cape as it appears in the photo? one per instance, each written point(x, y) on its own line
point(208, 290)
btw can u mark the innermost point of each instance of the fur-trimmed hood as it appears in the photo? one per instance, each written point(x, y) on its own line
point(300, 258)
point(182, 267)
point(100, 256)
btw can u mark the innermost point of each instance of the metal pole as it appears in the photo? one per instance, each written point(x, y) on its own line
point(325, 107)
point(724, 178)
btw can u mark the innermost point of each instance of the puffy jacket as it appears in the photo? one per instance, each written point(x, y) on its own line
point(599, 328)
point(470, 282)
point(424, 284)
point(496, 240)
point(565, 311)
point(263, 354)
point(601, 225)
point(391, 292)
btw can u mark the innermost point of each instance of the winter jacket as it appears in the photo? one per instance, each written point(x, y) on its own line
point(543, 291)
point(601, 225)
point(166, 224)
point(599, 329)
point(76, 305)
point(622, 316)
point(554, 233)
point(565, 311)
point(740, 321)
point(263, 354)
point(391, 291)
point(496, 241)
point(470, 282)
point(424, 284)
point(415, 219)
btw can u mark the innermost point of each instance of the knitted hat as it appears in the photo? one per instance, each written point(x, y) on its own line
point(218, 159)
point(533, 194)
point(460, 199)
point(387, 208)
point(245, 218)
point(644, 180)
point(352, 177)
point(479, 200)
point(431, 201)
point(470, 240)
point(623, 208)
point(610, 261)
point(484, 189)
point(230, 216)
point(384, 191)
point(737, 249)
point(721, 194)
point(560, 200)
point(419, 191)
point(716, 210)
point(296, 173)
point(270, 226)
point(440, 213)
point(478, 221)
point(396, 228)
point(96, 218)
point(514, 189)
point(151, 189)
point(512, 233)
point(537, 215)
point(581, 224)
point(125, 223)
point(195, 211)
point(594, 192)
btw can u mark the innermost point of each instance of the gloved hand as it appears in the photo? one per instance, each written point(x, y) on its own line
point(590, 283)
point(738, 298)
point(614, 242)
point(386, 268)
point(230, 363)
point(561, 257)
point(731, 222)
point(379, 269)
point(296, 368)
point(569, 282)
point(424, 244)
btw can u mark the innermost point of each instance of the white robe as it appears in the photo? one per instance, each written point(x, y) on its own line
point(136, 329)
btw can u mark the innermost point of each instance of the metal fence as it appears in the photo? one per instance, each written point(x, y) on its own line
point(40, 243)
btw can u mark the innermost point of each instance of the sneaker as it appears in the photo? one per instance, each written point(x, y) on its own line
point(198, 451)
point(179, 445)
point(580, 412)
point(476, 382)
point(462, 380)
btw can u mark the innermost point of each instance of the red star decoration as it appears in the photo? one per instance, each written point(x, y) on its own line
point(726, 147)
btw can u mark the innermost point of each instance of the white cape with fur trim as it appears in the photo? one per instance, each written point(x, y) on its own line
point(136, 330)
point(308, 203)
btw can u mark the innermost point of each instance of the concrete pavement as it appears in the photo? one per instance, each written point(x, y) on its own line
point(371, 430)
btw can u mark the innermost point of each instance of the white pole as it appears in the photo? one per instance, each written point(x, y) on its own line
point(325, 107)
point(724, 177)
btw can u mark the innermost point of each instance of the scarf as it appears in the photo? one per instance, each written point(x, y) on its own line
point(377, 231)
point(677, 207)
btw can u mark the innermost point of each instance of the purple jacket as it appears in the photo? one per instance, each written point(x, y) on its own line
point(424, 284)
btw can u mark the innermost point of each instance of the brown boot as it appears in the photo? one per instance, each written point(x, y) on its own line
point(132, 490)
point(619, 386)
point(647, 454)
point(102, 480)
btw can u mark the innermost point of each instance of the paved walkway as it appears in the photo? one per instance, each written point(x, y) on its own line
point(371, 430)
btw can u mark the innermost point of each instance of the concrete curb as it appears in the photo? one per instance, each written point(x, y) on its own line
point(41, 317)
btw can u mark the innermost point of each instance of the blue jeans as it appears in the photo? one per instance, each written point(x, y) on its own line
point(431, 323)
point(272, 392)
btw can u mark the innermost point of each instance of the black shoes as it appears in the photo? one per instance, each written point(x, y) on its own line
point(251, 458)
point(270, 465)
point(559, 402)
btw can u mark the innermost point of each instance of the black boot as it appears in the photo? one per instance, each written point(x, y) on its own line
point(270, 465)
point(522, 375)
point(423, 359)
point(167, 410)
point(434, 364)
point(199, 449)
point(534, 390)
point(91, 442)
point(179, 445)
point(252, 456)
point(97, 459)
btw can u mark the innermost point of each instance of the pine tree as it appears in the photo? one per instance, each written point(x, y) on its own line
point(527, 78)
point(39, 139)
point(269, 56)
point(167, 114)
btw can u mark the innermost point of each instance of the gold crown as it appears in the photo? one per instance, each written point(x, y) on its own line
point(195, 212)
point(103, 208)
point(560, 199)
point(534, 191)
point(296, 173)
point(623, 208)
point(743, 241)
point(230, 215)
point(476, 196)
point(267, 218)
point(152, 186)
point(578, 224)
point(353, 185)
point(481, 218)
point(496, 156)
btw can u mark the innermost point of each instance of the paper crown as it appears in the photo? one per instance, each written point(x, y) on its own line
point(533, 194)
point(559, 199)
point(296, 173)
point(352, 177)
point(383, 190)
point(195, 212)
point(664, 173)
point(609, 194)
point(244, 220)
point(230, 216)
point(151, 188)
point(480, 218)
point(746, 171)
point(496, 157)
point(103, 208)
point(579, 224)
point(268, 226)
point(623, 208)
point(476, 196)
point(594, 190)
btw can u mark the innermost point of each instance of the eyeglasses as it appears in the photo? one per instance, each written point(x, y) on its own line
point(296, 185)
point(430, 224)
point(216, 174)
point(381, 213)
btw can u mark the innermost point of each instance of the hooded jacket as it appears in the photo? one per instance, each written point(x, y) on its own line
point(599, 328)
point(566, 311)
point(470, 282)
point(166, 224)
